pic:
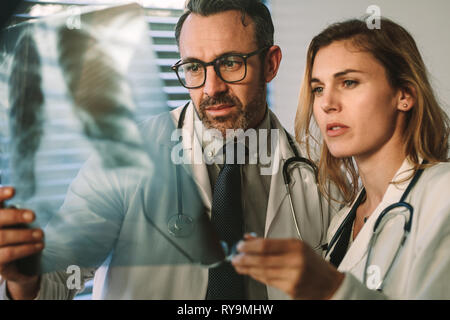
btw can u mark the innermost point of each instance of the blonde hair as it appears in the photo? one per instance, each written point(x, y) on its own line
point(427, 125)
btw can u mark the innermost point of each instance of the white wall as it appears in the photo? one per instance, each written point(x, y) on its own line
point(298, 21)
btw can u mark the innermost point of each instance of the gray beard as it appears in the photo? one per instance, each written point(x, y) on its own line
point(240, 120)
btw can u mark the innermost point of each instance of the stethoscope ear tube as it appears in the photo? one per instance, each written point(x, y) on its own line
point(407, 226)
point(177, 170)
point(288, 162)
point(378, 224)
point(402, 203)
point(296, 158)
point(287, 181)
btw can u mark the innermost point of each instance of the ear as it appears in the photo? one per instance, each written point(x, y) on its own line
point(407, 98)
point(272, 63)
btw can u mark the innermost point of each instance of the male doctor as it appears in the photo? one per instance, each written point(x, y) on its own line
point(227, 58)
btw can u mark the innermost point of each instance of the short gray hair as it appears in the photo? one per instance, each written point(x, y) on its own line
point(255, 9)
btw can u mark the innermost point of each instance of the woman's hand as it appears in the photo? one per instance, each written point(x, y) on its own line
point(289, 265)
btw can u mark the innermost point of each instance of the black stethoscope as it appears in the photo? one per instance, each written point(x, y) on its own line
point(181, 225)
point(378, 226)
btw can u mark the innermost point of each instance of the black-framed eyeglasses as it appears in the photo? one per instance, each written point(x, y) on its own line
point(231, 68)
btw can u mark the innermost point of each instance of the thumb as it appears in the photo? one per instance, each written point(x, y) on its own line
point(5, 194)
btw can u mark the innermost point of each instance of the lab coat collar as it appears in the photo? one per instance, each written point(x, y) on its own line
point(359, 247)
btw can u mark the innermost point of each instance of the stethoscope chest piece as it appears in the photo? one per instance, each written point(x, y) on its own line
point(180, 225)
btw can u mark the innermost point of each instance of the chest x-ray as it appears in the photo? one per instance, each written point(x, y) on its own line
point(72, 96)
point(67, 90)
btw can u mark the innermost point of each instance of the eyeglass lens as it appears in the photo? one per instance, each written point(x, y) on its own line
point(229, 69)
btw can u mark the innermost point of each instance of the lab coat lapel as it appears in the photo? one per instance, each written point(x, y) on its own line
point(193, 150)
point(358, 250)
point(277, 192)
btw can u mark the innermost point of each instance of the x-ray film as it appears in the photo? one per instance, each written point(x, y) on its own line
point(74, 96)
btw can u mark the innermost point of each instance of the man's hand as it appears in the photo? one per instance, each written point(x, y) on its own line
point(17, 243)
point(289, 265)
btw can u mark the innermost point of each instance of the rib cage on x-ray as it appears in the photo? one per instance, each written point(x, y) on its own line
point(106, 112)
point(67, 93)
point(73, 86)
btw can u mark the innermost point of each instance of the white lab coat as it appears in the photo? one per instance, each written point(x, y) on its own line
point(422, 268)
point(161, 280)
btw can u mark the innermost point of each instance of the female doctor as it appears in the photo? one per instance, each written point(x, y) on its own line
point(380, 124)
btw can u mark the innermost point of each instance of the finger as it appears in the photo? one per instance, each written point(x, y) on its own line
point(10, 217)
point(13, 253)
point(279, 278)
point(18, 236)
point(250, 236)
point(6, 193)
point(266, 261)
point(269, 273)
point(269, 276)
point(266, 246)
